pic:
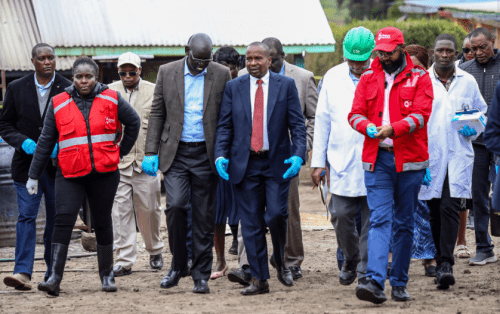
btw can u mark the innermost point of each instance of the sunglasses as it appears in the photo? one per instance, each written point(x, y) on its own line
point(466, 50)
point(131, 73)
point(201, 60)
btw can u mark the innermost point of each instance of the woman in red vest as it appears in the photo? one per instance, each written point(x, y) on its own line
point(85, 122)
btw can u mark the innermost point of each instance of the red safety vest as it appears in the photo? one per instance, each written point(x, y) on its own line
point(87, 144)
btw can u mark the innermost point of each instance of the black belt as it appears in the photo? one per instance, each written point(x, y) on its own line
point(261, 153)
point(192, 144)
point(389, 149)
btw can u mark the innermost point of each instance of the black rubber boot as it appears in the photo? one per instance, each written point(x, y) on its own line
point(53, 285)
point(105, 261)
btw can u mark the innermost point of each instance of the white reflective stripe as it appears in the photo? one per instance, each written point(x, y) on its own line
point(73, 142)
point(357, 116)
point(84, 140)
point(108, 98)
point(411, 166)
point(411, 123)
point(103, 138)
point(62, 105)
point(420, 119)
point(367, 166)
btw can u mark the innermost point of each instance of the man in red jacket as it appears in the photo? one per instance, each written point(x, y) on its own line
point(391, 107)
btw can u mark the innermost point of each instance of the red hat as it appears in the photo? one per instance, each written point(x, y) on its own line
point(388, 38)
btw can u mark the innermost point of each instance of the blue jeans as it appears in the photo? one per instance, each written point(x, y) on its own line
point(482, 174)
point(26, 224)
point(392, 198)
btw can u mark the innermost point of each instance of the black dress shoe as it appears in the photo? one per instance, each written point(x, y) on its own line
point(121, 271)
point(156, 261)
point(400, 294)
point(201, 286)
point(272, 261)
point(296, 272)
point(285, 276)
point(348, 273)
point(256, 287)
point(369, 290)
point(444, 276)
point(430, 271)
point(241, 276)
point(233, 250)
point(172, 280)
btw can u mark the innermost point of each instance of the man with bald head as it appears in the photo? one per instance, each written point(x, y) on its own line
point(260, 119)
point(180, 142)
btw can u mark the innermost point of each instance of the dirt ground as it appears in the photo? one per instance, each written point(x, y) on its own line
point(477, 289)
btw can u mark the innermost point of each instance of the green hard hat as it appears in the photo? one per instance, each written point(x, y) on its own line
point(358, 44)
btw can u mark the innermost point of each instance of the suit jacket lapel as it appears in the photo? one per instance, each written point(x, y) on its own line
point(207, 86)
point(179, 80)
point(244, 91)
point(274, 87)
point(288, 70)
point(33, 95)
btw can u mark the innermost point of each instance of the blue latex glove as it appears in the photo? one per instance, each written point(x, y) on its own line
point(467, 131)
point(427, 178)
point(54, 152)
point(221, 165)
point(150, 165)
point(371, 130)
point(29, 146)
point(496, 169)
point(296, 162)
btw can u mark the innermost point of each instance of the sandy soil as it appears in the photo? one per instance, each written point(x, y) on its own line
point(477, 289)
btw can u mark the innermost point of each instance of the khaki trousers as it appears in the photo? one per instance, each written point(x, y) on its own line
point(138, 196)
point(294, 248)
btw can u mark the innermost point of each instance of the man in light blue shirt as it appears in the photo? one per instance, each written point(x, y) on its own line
point(180, 142)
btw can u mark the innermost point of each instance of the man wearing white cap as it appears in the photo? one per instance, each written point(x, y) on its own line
point(138, 194)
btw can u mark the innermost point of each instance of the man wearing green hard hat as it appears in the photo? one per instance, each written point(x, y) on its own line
point(334, 137)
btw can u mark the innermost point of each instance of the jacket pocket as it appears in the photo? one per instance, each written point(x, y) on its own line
point(110, 155)
point(164, 135)
point(68, 160)
point(407, 94)
point(67, 127)
point(371, 100)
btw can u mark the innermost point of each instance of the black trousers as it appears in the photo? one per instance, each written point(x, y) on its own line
point(100, 189)
point(444, 220)
point(190, 179)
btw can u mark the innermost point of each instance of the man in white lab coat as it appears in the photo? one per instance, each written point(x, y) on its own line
point(451, 155)
point(336, 141)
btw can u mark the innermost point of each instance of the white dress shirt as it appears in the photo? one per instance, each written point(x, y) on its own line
point(265, 89)
point(131, 95)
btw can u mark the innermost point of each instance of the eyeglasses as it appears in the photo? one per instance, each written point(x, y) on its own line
point(202, 60)
point(466, 50)
point(130, 73)
point(387, 54)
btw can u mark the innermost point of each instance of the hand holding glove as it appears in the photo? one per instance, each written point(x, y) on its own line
point(221, 165)
point(54, 152)
point(32, 186)
point(150, 165)
point(427, 178)
point(29, 146)
point(371, 131)
point(467, 131)
point(296, 162)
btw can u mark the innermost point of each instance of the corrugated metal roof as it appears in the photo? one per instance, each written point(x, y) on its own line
point(18, 34)
point(95, 23)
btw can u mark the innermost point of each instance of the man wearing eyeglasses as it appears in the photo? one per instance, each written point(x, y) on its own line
point(486, 70)
point(391, 107)
point(138, 195)
point(180, 142)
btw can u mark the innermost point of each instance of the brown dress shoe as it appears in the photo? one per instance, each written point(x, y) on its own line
point(256, 287)
point(19, 281)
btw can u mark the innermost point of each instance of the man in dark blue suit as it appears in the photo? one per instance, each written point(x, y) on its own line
point(260, 113)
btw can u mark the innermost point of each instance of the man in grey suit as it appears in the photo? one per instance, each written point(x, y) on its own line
point(182, 125)
point(308, 95)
